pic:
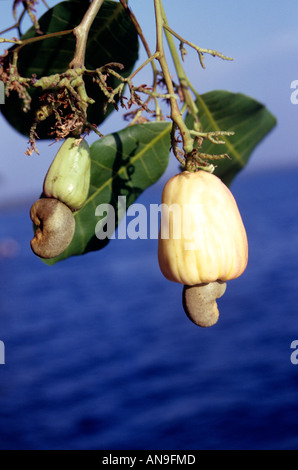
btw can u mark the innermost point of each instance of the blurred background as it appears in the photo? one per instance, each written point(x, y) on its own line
point(98, 351)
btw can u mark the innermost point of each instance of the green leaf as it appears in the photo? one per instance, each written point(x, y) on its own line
point(112, 38)
point(227, 111)
point(124, 163)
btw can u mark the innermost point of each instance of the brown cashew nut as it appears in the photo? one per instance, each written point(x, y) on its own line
point(55, 226)
point(199, 302)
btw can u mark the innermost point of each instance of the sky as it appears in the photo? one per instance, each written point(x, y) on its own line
point(262, 38)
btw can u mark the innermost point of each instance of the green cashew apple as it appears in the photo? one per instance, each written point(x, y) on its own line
point(68, 178)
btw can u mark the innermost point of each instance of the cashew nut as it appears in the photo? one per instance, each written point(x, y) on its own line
point(55, 226)
point(199, 302)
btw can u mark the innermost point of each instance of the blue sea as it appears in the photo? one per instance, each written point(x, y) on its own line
point(99, 353)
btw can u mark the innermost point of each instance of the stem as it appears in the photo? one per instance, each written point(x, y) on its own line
point(150, 59)
point(14, 41)
point(45, 4)
point(137, 26)
point(180, 71)
point(147, 49)
point(16, 25)
point(176, 115)
point(199, 50)
point(41, 38)
point(81, 33)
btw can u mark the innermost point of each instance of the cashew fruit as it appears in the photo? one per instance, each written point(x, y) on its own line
point(68, 178)
point(202, 238)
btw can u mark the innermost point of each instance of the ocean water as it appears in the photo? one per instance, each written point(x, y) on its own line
point(99, 353)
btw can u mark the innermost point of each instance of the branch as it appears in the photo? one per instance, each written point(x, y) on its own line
point(148, 51)
point(199, 50)
point(180, 72)
point(14, 41)
point(41, 38)
point(16, 25)
point(81, 33)
point(175, 111)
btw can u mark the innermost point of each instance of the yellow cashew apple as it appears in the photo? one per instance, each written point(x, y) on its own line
point(202, 237)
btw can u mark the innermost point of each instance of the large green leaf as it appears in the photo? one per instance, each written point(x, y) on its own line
point(227, 111)
point(112, 38)
point(124, 164)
